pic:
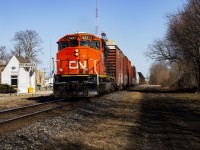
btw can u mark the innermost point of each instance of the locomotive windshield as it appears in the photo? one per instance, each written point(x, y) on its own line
point(84, 43)
point(95, 44)
point(73, 43)
point(63, 44)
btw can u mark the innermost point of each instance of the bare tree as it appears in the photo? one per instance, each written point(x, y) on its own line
point(28, 45)
point(181, 43)
point(184, 33)
point(159, 74)
point(4, 55)
point(16, 50)
point(163, 50)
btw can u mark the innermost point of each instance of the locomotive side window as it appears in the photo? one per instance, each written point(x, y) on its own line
point(63, 45)
point(73, 43)
point(84, 43)
point(95, 44)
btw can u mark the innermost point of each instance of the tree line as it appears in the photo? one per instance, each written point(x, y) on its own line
point(27, 44)
point(177, 54)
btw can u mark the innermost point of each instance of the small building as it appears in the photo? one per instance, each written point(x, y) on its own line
point(20, 74)
point(40, 79)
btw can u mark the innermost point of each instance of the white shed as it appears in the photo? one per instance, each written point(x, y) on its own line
point(16, 73)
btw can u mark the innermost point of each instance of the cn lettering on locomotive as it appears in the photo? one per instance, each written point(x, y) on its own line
point(75, 65)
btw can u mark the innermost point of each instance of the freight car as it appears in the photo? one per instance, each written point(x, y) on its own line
point(87, 65)
point(119, 67)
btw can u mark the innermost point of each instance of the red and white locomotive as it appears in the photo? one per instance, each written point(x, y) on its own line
point(88, 65)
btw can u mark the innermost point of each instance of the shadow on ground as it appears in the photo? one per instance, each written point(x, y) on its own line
point(158, 89)
point(42, 99)
point(166, 123)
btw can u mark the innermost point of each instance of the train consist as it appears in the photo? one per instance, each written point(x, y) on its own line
point(87, 65)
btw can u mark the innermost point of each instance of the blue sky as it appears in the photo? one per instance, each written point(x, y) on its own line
point(133, 24)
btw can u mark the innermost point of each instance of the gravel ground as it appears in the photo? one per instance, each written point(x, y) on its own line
point(120, 120)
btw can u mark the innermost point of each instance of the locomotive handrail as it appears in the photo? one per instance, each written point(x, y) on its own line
point(94, 65)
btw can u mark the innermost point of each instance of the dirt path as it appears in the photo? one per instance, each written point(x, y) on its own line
point(121, 120)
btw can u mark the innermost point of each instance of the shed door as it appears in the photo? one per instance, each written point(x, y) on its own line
point(14, 80)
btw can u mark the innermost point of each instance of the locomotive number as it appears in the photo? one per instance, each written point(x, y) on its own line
point(71, 37)
point(86, 37)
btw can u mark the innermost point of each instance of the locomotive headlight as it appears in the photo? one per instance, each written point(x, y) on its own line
point(76, 52)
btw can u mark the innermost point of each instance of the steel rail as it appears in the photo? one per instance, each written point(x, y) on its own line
point(28, 106)
point(31, 114)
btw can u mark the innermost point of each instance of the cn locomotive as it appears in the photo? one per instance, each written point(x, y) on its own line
point(87, 65)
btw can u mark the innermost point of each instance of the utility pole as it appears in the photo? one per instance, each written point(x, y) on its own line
point(50, 59)
point(53, 66)
point(44, 70)
point(44, 74)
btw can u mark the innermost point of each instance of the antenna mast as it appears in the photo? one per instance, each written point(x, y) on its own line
point(96, 29)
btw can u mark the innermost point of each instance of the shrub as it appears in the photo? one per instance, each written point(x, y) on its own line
point(5, 88)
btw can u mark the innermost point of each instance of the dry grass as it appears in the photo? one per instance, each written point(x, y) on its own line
point(14, 101)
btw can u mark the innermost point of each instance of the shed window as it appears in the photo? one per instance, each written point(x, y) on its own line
point(13, 67)
point(14, 80)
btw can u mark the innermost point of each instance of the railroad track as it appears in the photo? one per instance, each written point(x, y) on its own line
point(10, 116)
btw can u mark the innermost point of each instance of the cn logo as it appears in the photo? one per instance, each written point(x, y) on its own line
point(76, 65)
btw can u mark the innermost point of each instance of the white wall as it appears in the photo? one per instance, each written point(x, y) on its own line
point(25, 80)
point(9, 71)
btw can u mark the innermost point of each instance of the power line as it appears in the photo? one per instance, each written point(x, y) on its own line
point(50, 58)
point(96, 29)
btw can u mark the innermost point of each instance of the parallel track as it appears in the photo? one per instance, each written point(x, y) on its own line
point(11, 115)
